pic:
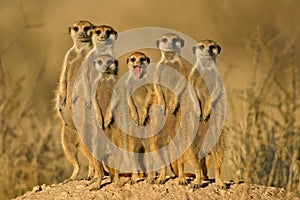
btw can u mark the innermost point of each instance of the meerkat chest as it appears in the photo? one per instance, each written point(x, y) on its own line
point(138, 92)
point(104, 91)
point(210, 78)
point(140, 96)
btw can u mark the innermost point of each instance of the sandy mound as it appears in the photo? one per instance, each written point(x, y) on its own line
point(143, 190)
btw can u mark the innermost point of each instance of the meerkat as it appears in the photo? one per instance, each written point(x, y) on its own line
point(210, 100)
point(138, 103)
point(80, 32)
point(103, 77)
point(170, 46)
point(103, 38)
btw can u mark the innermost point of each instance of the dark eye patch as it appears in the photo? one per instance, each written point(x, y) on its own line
point(100, 62)
point(108, 32)
point(142, 60)
point(174, 40)
point(86, 28)
point(212, 47)
point(132, 59)
point(164, 40)
point(201, 46)
point(109, 62)
point(75, 28)
point(98, 32)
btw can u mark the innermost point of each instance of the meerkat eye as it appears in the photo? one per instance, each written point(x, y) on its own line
point(98, 32)
point(174, 40)
point(211, 47)
point(75, 28)
point(132, 59)
point(100, 62)
point(201, 47)
point(164, 40)
point(108, 32)
point(109, 62)
point(86, 28)
point(142, 60)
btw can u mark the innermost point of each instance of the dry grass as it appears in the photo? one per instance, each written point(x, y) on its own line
point(264, 141)
point(263, 144)
point(29, 149)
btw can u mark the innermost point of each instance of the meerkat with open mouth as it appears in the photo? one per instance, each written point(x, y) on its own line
point(138, 103)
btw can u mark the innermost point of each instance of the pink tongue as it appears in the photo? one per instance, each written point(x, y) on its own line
point(137, 71)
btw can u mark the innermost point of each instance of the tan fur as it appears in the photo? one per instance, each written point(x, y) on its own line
point(80, 32)
point(103, 38)
point(210, 95)
point(217, 154)
point(138, 104)
point(170, 45)
point(104, 73)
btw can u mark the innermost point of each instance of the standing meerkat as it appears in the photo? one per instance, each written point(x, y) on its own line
point(103, 38)
point(103, 77)
point(138, 104)
point(80, 32)
point(169, 95)
point(212, 104)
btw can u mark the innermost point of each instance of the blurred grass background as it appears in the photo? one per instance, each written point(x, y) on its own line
point(258, 62)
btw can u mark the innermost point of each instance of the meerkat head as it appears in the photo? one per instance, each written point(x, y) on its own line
point(104, 34)
point(170, 42)
point(81, 31)
point(138, 62)
point(207, 49)
point(106, 64)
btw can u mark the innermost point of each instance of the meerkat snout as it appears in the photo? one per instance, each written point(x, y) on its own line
point(138, 62)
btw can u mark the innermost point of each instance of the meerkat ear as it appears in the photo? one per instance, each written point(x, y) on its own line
point(127, 60)
point(194, 49)
point(69, 29)
point(116, 62)
point(157, 43)
point(148, 59)
point(219, 49)
point(182, 42)
point(116, 34)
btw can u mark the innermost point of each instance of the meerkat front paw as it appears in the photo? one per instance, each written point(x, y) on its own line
point(206, 112)
point(174, 104)
point(134, 117)
point(206, 117)
point(143, 118)
point(198, 116)
point(108, 119)
point(100, 120)
point(62, 100)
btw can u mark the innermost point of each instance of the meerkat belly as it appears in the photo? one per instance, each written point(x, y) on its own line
point(104, 94)
point(139, 96)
